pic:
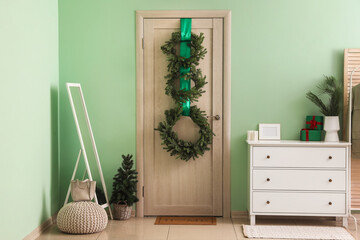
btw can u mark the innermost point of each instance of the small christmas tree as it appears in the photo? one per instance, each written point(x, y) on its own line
point(124, 186)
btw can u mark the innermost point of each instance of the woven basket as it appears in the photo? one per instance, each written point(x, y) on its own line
point(82, 218)
point(122, 212)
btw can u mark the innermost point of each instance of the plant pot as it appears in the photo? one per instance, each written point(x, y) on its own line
point(331, 126)
point(122, 211)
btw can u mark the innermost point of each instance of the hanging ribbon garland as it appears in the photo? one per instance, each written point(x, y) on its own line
point(185, 51)
point(183, 67)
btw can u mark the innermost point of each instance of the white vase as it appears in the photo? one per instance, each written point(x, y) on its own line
point(331, 126)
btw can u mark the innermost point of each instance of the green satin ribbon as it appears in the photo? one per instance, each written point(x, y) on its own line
point(185, 27)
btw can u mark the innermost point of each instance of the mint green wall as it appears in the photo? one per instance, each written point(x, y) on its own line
point(280, 50)
point(29, 79)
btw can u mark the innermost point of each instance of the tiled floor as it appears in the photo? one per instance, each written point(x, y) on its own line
point(144, 229)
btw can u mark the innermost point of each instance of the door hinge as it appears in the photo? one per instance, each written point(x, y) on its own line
point(143, 191)
point(143, 43)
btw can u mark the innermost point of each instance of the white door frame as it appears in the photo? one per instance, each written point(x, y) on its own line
point(140, 16)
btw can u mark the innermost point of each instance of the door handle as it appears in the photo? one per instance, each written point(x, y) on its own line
point(216, 117)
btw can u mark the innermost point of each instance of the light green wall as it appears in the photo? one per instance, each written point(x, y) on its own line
point(280, 50)
point(29, 79)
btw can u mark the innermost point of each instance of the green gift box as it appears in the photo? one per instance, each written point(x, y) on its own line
point(310, 135)
point(315, 122)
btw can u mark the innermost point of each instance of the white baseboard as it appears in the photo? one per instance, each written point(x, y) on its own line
point(40, 229)
point(239, 214)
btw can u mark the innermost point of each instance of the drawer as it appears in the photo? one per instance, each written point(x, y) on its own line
point(299, 180)
point(301, 203)
point(299, 157)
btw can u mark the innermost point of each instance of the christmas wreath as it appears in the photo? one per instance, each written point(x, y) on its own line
point(185, 150)
point(176, 61)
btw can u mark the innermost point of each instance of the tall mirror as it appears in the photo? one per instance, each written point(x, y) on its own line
point(86, 138)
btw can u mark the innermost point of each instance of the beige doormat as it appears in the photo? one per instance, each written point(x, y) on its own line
point(185, 221)
point(296, 232)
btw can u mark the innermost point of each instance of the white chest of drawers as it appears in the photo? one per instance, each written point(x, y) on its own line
point(298, 178)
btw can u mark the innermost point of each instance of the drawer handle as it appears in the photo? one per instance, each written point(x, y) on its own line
point(330, 203)
point(330, 157)
point(330, 180)
point(268, 156)
point(268, 179)
point(267, 202)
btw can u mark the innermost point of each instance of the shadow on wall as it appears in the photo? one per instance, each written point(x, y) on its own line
point(45, 209)
point(338, 65)
point(337, 61)
point(54, 165)
point(239, 170)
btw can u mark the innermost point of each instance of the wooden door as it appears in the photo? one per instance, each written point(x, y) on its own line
point(351, 61)
point(173, 186)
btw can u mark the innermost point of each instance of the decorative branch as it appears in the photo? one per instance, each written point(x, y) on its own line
point(331, 88)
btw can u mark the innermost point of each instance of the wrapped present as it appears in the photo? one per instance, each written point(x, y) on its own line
point(315, 122)
point(310, 135)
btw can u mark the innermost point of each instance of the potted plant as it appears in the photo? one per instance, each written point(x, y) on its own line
point(331, 110)
point(124, 189)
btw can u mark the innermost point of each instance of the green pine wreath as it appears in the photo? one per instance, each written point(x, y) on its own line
point(176, 61)
point(185, 150)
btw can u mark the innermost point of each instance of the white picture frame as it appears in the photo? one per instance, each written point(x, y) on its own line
point(269, 131)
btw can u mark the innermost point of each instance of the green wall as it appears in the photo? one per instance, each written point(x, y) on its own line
point(280, 50)
point(29, 76)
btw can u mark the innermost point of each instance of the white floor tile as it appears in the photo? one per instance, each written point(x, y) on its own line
point(53, 233)
point(135, 229)
point(223, 230)
point(144, 229)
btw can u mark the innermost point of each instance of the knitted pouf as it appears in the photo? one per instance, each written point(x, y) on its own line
point(82, 218)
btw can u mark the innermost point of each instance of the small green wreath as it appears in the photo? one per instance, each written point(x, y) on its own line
point(185, 150)
point(175, 61)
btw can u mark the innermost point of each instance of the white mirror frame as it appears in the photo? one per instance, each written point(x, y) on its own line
point(83, 150)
